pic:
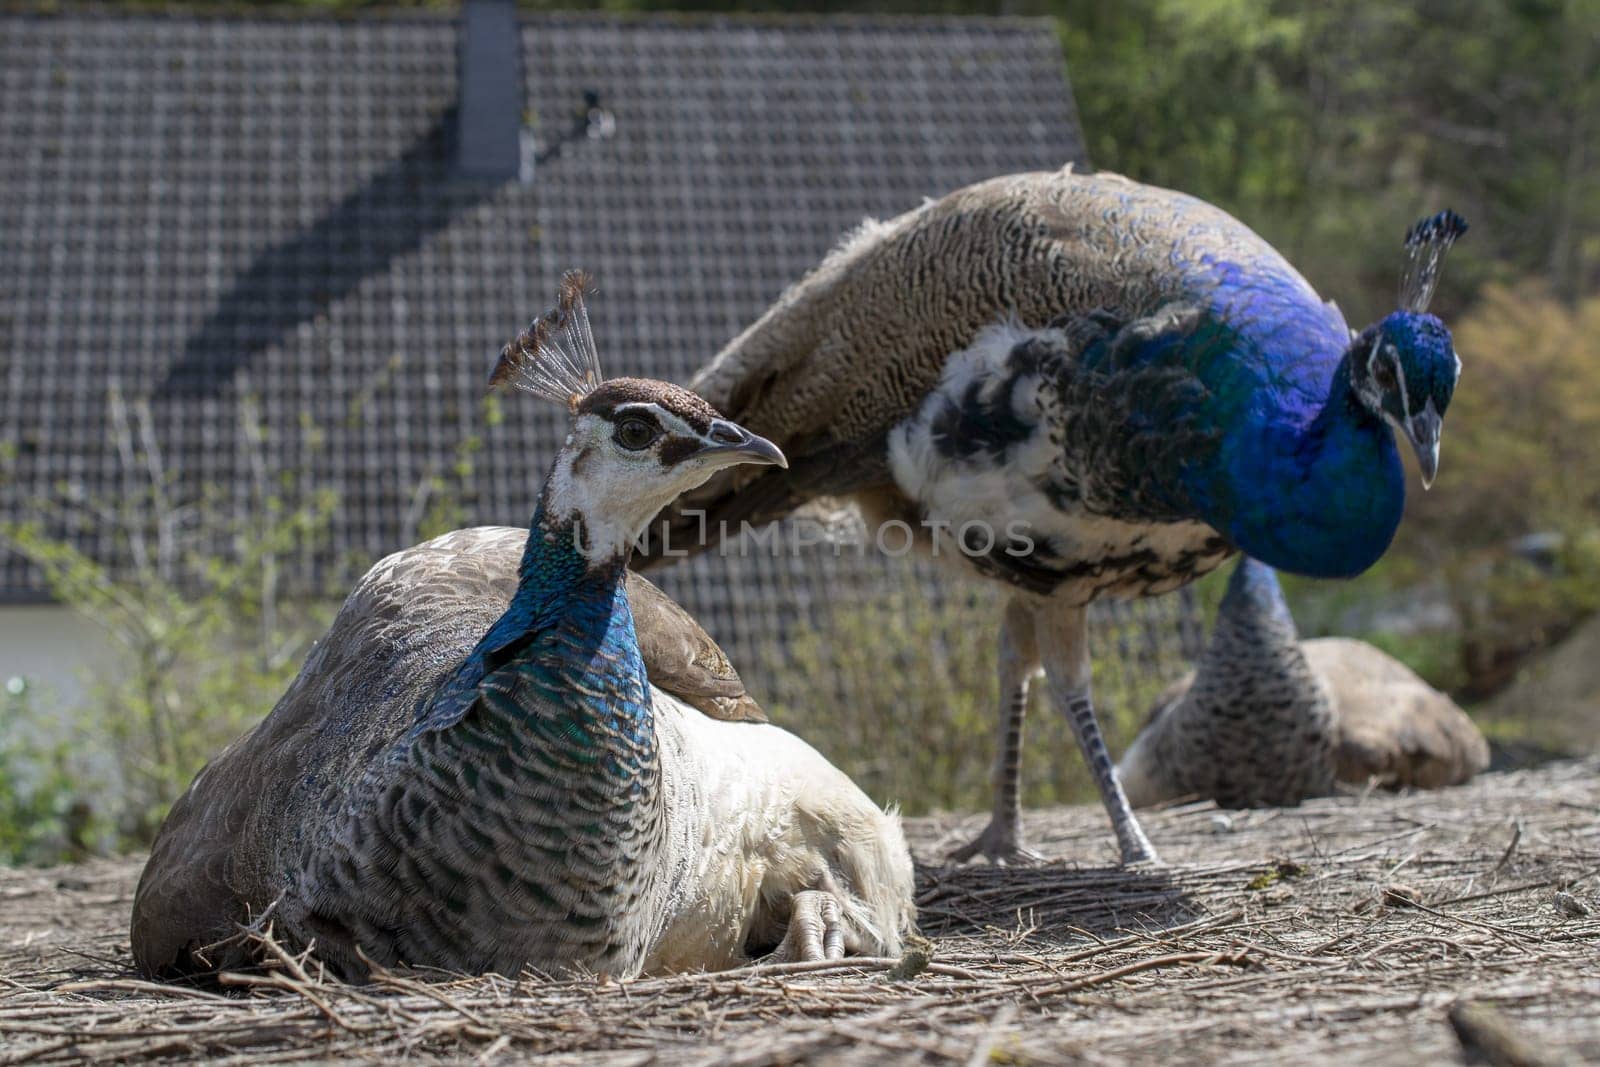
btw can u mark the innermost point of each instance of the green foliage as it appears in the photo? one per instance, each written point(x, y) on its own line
point(43, 816)
point(1521, 446)
point(1523, 438)
point(205, 645)
point(1329, 127)
point(900, 691)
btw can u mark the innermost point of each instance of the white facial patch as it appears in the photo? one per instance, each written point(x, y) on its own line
point(615, 491)
point(1399, 377)
point(610, 491)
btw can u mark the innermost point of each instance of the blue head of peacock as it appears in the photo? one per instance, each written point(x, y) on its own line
point(1404, 368)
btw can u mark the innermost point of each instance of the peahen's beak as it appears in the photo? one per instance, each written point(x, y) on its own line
point(1422, 430)
point(731, 443)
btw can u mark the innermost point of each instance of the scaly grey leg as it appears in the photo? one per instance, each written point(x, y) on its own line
point(1063, 634)
point(816, 929)
point(1001, 841)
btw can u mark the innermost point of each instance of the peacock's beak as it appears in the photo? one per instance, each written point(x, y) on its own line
point(731, 443)
point(1422, 430)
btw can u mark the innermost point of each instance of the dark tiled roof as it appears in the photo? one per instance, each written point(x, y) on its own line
point(208, 215)
point(199, 209)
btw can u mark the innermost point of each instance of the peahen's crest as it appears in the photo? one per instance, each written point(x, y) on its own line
point(1426, 243)
point(555, 356)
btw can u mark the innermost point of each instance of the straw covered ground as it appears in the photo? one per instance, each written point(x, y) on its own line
point(1362, 929)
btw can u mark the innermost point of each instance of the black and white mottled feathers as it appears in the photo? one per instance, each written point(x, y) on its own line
point(1050, 428)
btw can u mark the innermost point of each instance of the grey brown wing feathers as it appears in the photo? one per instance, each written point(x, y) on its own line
point(850, 350)
point(408, 622)
point(215, 863)
point(681, 658)
point(1393, 726)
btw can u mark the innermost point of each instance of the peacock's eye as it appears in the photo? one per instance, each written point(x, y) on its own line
point(1384, 374)
point(635, 434)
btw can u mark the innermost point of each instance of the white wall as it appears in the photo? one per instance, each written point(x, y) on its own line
point(58, 652)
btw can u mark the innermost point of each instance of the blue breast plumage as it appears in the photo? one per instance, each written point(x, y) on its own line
point(1210, 390)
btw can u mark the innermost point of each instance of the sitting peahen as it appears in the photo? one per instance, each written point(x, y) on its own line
point(1266, 719)
point(1081, 386)
point(474, 772)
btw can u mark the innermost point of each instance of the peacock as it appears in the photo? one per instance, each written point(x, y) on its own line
point(1080, 386)
point(476, 769)
point(1266, 719)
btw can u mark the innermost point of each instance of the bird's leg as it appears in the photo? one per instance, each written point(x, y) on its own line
point(1001, 841)
point(1063, 635)
point(816, 929)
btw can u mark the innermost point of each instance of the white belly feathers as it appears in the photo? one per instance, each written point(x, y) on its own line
point(756, 815)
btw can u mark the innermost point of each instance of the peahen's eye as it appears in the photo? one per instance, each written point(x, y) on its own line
point(636, 434)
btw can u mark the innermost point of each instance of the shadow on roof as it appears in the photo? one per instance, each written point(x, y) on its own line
point(296, 280)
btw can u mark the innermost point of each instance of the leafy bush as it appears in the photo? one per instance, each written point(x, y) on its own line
point(43, 816)
point(901, 692)
point(196, 612)
point(1522, 439)
point(1523, 444)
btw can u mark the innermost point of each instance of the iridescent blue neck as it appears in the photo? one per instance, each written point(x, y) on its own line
point(554, 574)
point(1295, 471)
point(568, 632)
point(1320, 497)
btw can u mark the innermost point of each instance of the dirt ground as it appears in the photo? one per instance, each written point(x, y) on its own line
point(1342, 931)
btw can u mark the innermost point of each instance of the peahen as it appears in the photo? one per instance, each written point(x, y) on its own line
point(474, 772)
point(1266, 719)
point(1081, 386)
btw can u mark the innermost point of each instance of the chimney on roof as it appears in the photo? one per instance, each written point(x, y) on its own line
point(489, 102)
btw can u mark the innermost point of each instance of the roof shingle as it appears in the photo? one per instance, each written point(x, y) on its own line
point(204, 211)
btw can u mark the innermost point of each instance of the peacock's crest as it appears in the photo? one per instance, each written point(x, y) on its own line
point(1426, 243)
point(555, 356)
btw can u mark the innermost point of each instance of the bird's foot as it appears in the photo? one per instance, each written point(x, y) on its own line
point(1137, 851)
point(816, 929)
point(1000, 843)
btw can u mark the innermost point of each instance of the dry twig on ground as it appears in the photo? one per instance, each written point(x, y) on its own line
point(1340, 931)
